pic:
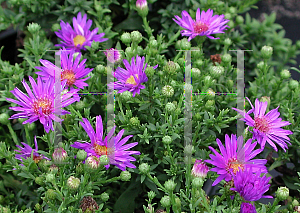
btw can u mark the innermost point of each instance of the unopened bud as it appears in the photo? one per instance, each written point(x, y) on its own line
point(59, 155)
point(33, 28)
point(136, 36)
point(196, 72)
point(170, 107)
point(149, 71)
point(81, 155)
point(126, 38)
point(73, 183)
point(170, 185)
point(282, 193)
point(285, 74)
point(104, 197)
point(167, 139)
point(50, 194)
point(266, 52)
point(185, 44)
point(125, 176)
point(144, 168)
point(168, 91)
point(293, 84)
point(4, 118)
point(165, 201)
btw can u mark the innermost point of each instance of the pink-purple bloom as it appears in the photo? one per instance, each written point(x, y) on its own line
point(113, 55)
point(248, 208)
point(200, 169)
point(235, 156)
point(26, 151)
point(141, 4)
point(131, 78)
point(72, 71)
point(41, 103)
point(266, 128)
point(251, 186)
point(204, 25)
point(111, 146)
point(81, 36)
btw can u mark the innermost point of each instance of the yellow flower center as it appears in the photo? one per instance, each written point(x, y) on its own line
point(79, 39)
point(44, 103)
point(68, 75)
point(235, 165)
point(102, 150)
point(200, 27)
point(261, 124)
point(131, 80)
point(36, 159)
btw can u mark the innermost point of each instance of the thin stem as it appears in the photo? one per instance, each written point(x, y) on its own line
point(27, 134)
point(147, 27)
point(13, 134)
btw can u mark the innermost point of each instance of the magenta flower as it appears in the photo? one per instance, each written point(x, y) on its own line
point(40, 105)
point(248, 208)
point(26, 152)
point(81, 35)
point(131, 78)
point(72, 71)
point(266, 128)
point(141, 4)
point(110, 146)
point(113, 55)
point(199, 169)
point(234, 157)
point(59, 155)
point(204, 25)
point(251, 186)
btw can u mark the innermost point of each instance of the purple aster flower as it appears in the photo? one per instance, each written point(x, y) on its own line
point(234, 157)
point(199, 169)
point(248, 208)
point(266, 128)
point(204, 25)
point(72, 71)
point(26, 152)
point(251, 186)
point(40, 103)
point(111, 146)
point(81, 35)
point(132, 77)
point(113, 55)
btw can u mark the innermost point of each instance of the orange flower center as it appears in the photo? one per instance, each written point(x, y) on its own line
point(102, 150)
point(37, 159)
point(68, 75)
point(261, 124)
point(200, 27)
point(235, 165)
point(131, 80)
point(44, 103)
point(79, 39)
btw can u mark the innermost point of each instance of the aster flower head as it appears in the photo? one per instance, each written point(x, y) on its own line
point(42, 103)
point(248, 208)
point(200, 169)
point(131, 78)
point(26, 151)
point(204, 25)
point(112, 146)
point(141, 4)
point(72, 71)
point(113, 55)
point(251, 186)
point(235, 156)
point(266, 127)
point(80, 36)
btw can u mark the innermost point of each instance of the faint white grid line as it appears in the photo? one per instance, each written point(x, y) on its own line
point(58, 99)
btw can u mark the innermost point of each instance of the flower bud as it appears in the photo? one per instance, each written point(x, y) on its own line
point(196, 52)
point(293, 84)
point(189, 149)
point(129, 52)
point(197, 182)
point(50, 194)
point(126, 38)
point(173, 83)
point(168, 91)
point(144, 168)
point(44, 165)
point(92, 162)
point(196, 72)
point(40, 180)
point(136, 37)
point(79, 168)
point(100, 68)
point(199, 63)
point(181, 62)
point(170, 68)
point(140, 51)
point(210, 93)
point(104, 197)
point(134, 121)
point(73, 183)
point(113, 55)
point(285, 74)
point(178, 44)
point(185, 44)
point(198, 116)
point(207, 80)
point(239, 19)
point(153, 43)
point(282, 193)
point(227, 16)
point(55, 27)
point(104, 159)
point(295, 203)
point(165, 201)
point(4, 118)
point(170, 185)
point(53, 169)
point(227, 42)
point(229, 83)
point(248, 208)
point(95, 45)
point(142, 8)
point(167, 139)
point(126, 96)
point(266, 52)
point(59, 155)
point(149, 71)
point(31, 126)
point(210, 105)
point(38, 207)
point(33, 28)
point(265, 99)
point(125, 176)
point(81, 155)
point(170, 107)
point(151, 195)
point(200, 169)
point(261, 65)
point(216, 71)
point(50, 177)
point(226, 58)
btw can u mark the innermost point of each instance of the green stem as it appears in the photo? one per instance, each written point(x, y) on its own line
point(13, 134)
point(147, 27)
point(120, 106)
point(276, 201)
point(173, 38)
point(27, 133)
point(177, 56)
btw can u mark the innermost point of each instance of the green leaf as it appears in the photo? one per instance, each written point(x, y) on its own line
point(275, 164)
